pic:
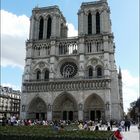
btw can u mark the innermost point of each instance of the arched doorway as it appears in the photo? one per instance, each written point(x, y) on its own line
point(94, 108)
point(65, 107)
point(37, 109)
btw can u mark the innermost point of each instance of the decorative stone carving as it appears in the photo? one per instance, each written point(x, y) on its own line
point(49, 107)
point(94, 61)
point(41, 64)
point(80, 106)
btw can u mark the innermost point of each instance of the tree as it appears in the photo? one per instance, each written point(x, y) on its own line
point(134, 110)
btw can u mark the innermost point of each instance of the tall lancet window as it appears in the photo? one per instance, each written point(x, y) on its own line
point(97, 23)
point(89, 23)
point(99, 72)
point(49, 26)
point(46, 75)
point(38, 75)
point(41, 24)
point(90, 72)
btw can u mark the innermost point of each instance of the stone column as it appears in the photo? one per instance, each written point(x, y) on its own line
point(49, 112)
point(52, 60)
point(81, 58)
point(58, 26)
point(106, 57)
point(80, 112)
point(105, 21)
point(31, 34)
point(85, 22)
point(93, 22)
point(108, 105)
point(36, 31)
point(53, 33)
point(45, 29)
point(81, 22)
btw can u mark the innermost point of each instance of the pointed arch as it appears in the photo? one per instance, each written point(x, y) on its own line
point(65, 107)
point(94, 107)
point(37, 104)
point(41, 26)
point(37, 109)
point(89, 23)
point(97, 23)
point(49, 27)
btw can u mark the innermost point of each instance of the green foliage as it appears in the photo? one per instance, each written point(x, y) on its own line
point(48, 133)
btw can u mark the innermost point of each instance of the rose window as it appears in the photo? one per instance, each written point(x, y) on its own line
point(68, 69)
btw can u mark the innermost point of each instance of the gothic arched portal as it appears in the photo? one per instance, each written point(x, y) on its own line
point(65, 107)
point(94, 108)
point(37, 109)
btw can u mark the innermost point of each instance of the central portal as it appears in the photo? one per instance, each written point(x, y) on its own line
point(65, 108)
point(95, 115)
point(68, 115)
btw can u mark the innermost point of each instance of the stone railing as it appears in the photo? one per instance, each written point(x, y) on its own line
point(67, 46)
point(63, 85)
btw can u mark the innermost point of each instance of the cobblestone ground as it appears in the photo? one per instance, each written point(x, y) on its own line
point(133, 134)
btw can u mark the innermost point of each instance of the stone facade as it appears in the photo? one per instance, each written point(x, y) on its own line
point(71, 78)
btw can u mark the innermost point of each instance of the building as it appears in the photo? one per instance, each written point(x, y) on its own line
point(71, 78)
point(9, 102)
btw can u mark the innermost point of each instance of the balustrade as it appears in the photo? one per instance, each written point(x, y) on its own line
point(67, 46)
point(71, 85)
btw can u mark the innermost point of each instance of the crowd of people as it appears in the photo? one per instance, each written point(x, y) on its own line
point(87, 125)
point(123, 125)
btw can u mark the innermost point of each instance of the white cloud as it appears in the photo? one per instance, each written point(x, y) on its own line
point(71, 30)
point(130, 88)
point(14, 32)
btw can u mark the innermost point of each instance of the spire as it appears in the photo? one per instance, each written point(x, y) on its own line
point(120, 73)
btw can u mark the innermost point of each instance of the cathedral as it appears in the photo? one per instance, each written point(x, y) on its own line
point(71, 78)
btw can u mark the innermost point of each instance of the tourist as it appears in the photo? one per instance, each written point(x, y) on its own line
point(125, 125)
point(111, 124)
point(122, 124)
point(128, 125)
point(117, 134)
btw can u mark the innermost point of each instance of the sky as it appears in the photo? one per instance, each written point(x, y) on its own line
point(15, 15)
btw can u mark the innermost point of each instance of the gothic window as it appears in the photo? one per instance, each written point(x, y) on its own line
point(90, 72)
point(99, 72)
point(89, 47)
point(97, 23)
point(41, 24)
point(48, 50)
point(38, 75)
point(60, 49)
point(97, 47)
point(62, 30)
point(46, 75)
point(89, 23)
point(68, 69)
point(38, 52)
point(49, 26)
